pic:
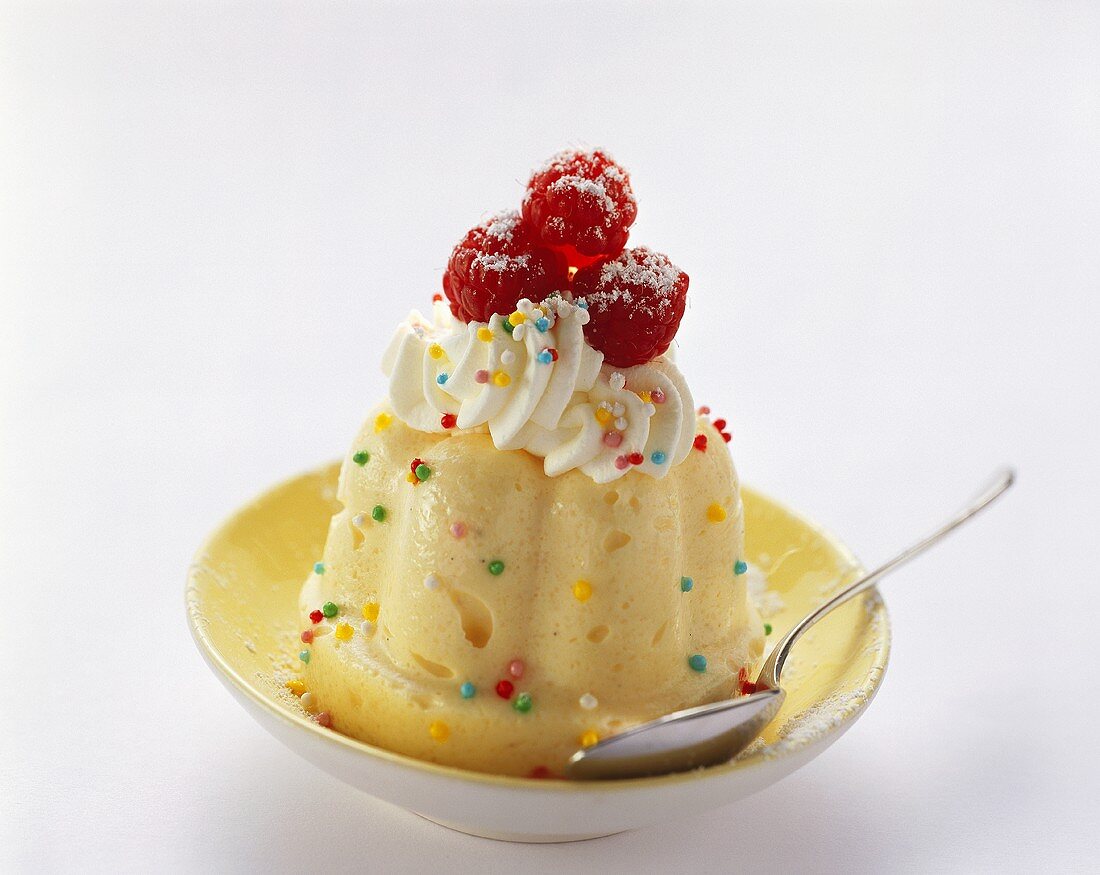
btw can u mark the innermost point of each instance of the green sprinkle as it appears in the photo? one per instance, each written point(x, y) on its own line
point(508, 326)
point(496, 567)
point(304, 656)
point(522, 703)
point(378, 514)
point(740, 566)
point(686, 583)
point(422, 472)
point(329, 609)
point(767, 628)
point(318, 567)
point(698, 662)
point(361, 458)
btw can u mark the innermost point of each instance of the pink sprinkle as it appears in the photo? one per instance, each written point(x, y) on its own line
point(622, 462)
point(458, 530)
point(481, 377)
point(516, 667)
point(307, 636)
point(612, 438)
point(324, 719)
point(704, 411)
point(658, 396)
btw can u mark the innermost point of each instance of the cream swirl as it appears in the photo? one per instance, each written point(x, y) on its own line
point(533, 382)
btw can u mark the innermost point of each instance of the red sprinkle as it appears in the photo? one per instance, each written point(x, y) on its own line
point(436, 298)
point(635, 458)
point(700, 443)
point(748, 688)
point(307, 636)
point(516, 668)
point(727, 437)
point(505, 689)
point(540, 773)
point(657, 396)
point(720, 424)
point(553, 352)
point(612, 438)
point(448, 420)
point(704, 411)
point(324, 719)
point(316, 616)
point(622, 462)
point(416, 463)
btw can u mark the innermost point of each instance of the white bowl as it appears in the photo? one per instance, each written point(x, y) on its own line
point(241, 605)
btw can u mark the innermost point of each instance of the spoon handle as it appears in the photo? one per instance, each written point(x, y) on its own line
point(773, 666)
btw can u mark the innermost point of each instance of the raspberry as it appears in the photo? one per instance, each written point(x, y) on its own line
point(495, 265)
point(581, 204)
point(635, 304)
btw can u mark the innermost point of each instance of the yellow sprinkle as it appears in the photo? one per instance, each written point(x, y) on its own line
point(435, 351)
point(603, 416)
point(501, 378)
point(343, 632)
point(439, 731)
point(296, 686)
point(382, 421)
point(590, 738)
point(716, 513)
point(484, 334)
point(517, 318)
point(411, 477)
point(647, 397)
point(370, 611)
point(582, 590)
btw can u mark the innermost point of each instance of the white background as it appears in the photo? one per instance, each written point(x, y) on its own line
point(212, 216)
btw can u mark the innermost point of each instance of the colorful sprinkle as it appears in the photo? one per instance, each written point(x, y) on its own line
point(635, 458)
point(700, 443)
point(517, 318)
point(603, 415)
point(767, 628)
point(436, 298)
point(704, 411)
point(658, 396)
point(448, 420)
point(617, 381)
point(508, 326)
point(505, 689)
point(545, 357)
point(458, 530)
point(378, 513)
point(432, 582)
point(296, 686)
point(588, 702)
point(740, 566)
point(481, 376)
point(318, 567)
point(523, 703)
point(307, 636)
point(467, 690)
point(309, 701)
point(324, 719)
point(658, 458)
point(439, 731)
point(716, 513)
point(686, 583)
point(329, 609)
point(613, 439)
point(484, 335)
point(304, 656)
point(589, 738)
point(443, 378)
point(382, 421)
point(622, 463)
point(316, 616)
point(542, 324)
point(582, 590)
point(361, 458)
point(496, 568)
point(540, 773)
point(500, 378)
point(436, 351)
point(698, 662)
point(516, 668)
point(422, 472)
point(370, 612)
point(343, 632)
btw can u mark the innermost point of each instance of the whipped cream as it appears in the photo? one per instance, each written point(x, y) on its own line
point(538, 386)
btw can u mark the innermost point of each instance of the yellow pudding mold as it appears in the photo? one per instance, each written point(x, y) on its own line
point(242, 597)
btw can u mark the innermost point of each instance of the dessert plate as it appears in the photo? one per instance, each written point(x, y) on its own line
point(242, 592)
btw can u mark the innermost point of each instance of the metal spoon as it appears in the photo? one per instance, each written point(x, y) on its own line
point(715, 733)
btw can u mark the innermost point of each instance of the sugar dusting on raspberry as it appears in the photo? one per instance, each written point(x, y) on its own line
point(641, 267)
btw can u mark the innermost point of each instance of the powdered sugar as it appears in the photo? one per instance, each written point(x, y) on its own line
point(642, 268)
point(501, 227)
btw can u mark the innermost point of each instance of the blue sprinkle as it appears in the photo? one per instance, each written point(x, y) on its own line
point(545, 357)
point(658, 458)
point(467, 690)
point(542, 323)
point(698, 662)
point(304, 656)
point(582, 303)
point(318, 567)
point(441, 379)
point(740, 567)
point(686, 583)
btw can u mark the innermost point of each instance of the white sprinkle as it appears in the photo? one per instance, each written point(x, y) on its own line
point(432, 582)
point(309, 701)
point(588, 701)
point(564, 308)
point(507, 357)
point(605, 405)
point(519, 332)
point(618, 409)
point(366, 627)
point(618, 381)
point(621, 423)
point(359, 519)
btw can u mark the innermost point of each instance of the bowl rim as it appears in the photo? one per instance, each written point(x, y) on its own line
point(215, 660)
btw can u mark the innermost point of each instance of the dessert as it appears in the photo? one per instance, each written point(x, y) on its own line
point(540, 539)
